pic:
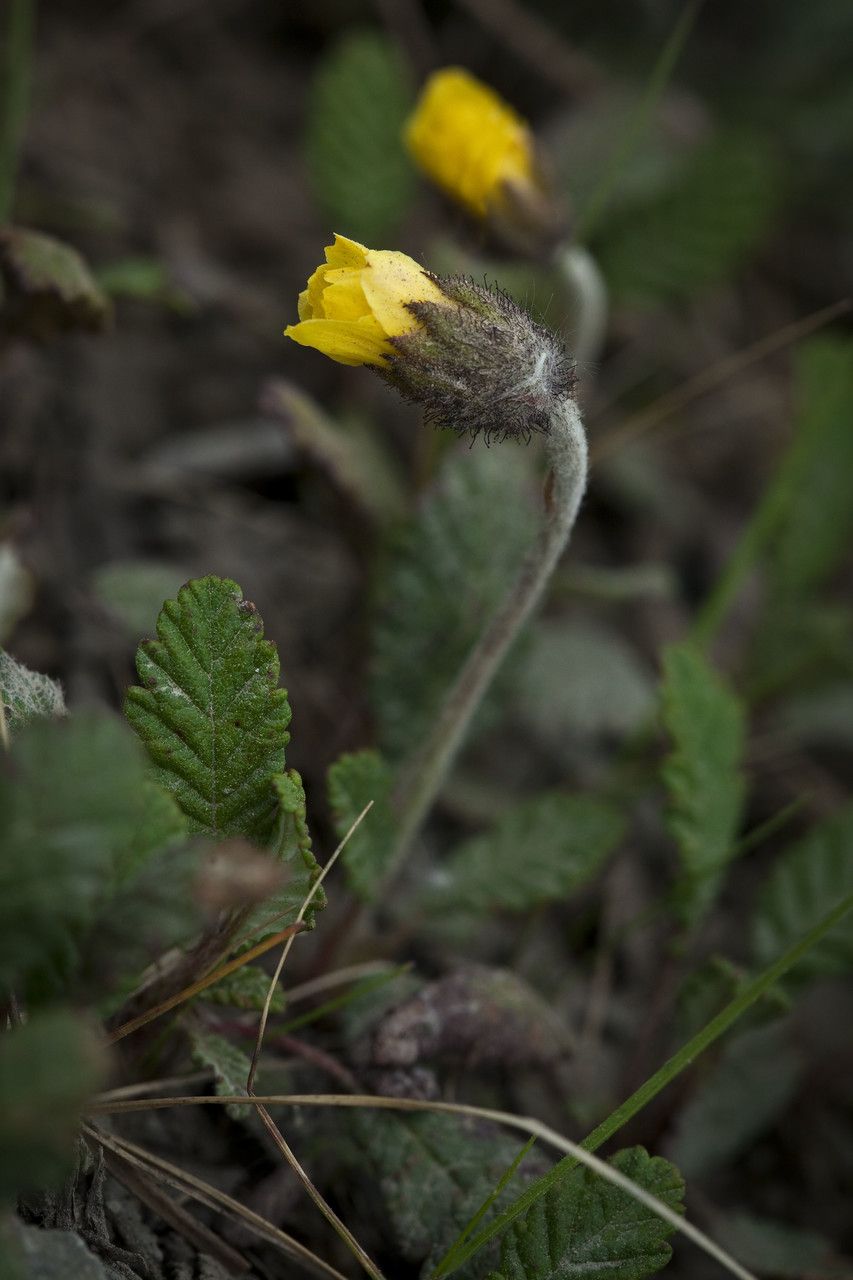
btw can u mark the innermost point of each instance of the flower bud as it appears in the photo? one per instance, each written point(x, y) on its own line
point(468, 353)
point(482, 154)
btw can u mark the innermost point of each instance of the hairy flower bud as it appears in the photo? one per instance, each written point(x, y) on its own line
point(475, 359)
point(480, 364)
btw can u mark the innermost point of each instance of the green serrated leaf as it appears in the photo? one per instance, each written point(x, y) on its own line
point(700, 230)
point(702, 775)
point(359, 102)
point(805, 884)
point(353, 781)
point(743, 1095)
point(27, 695)
point(69, 814)
point(49, 1069)
point(540, 851)
point(586, 1226)
point(432, 1173)
point(291, 845)
point(246, 988)
point(211, 714)
point(230, 1067)
point(447, 572)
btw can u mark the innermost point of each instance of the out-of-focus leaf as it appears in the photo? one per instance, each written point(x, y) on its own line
point(818, 519)
point(741, 1098)
point(540, 851)
point(702, 775)
point(245, 988)
point(38, 1254)
point(776, 1249)
point(16, 590)
point(359, 102)
point(581, 678)
point(27, 695)
point(806, 883)
point(47, 287)
point(49, 1069)
point(586, 1226)
point(698, 231)
point(353, 781)
point(134, 590)
point(70, 810)
point(230, 1067)
point(447, 572)
point(144, 280)
point(350, 451)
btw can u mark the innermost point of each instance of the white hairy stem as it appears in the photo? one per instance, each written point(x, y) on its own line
point(566, 449)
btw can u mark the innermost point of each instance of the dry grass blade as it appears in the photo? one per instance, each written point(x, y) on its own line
point(527, 1124)
point(194, 988)
point(210, 1196)
point(265, 1013)
point(278, 1138)
point(711, 378)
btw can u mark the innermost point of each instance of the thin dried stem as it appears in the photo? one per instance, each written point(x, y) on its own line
point(212, 1197)
point(265, 1012)
point(714, 376)
point(527, 1124)
point(180, 997)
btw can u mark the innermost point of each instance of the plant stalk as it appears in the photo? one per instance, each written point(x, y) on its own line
point(587, 291)
point(15, 75)
point(567, 454)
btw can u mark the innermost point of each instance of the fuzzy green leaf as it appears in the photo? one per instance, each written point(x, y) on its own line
point(72, 816)
point(230, 1067)
point(26, 694)
point(540, 851)
point(359, 101)
point(702, 775)
point(432, 1173)
point(291, 844)
point(586, 1226)
point(742, 1096)
point(49, 1069)
point(245, 988)
point(354, 781)
point(448, 571)
point(700, 229)
point(805, 884)
point(210, 711)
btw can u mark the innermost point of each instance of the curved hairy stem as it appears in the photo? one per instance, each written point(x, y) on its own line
point(587, 290)
point(567, 453)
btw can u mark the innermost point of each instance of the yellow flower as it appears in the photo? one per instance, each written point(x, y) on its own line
point(470, 142)
point(358, 299)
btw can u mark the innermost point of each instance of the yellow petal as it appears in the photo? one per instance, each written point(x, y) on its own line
point(345, 253)
point(390, 281)
point(347, 341)
point(343, 298)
